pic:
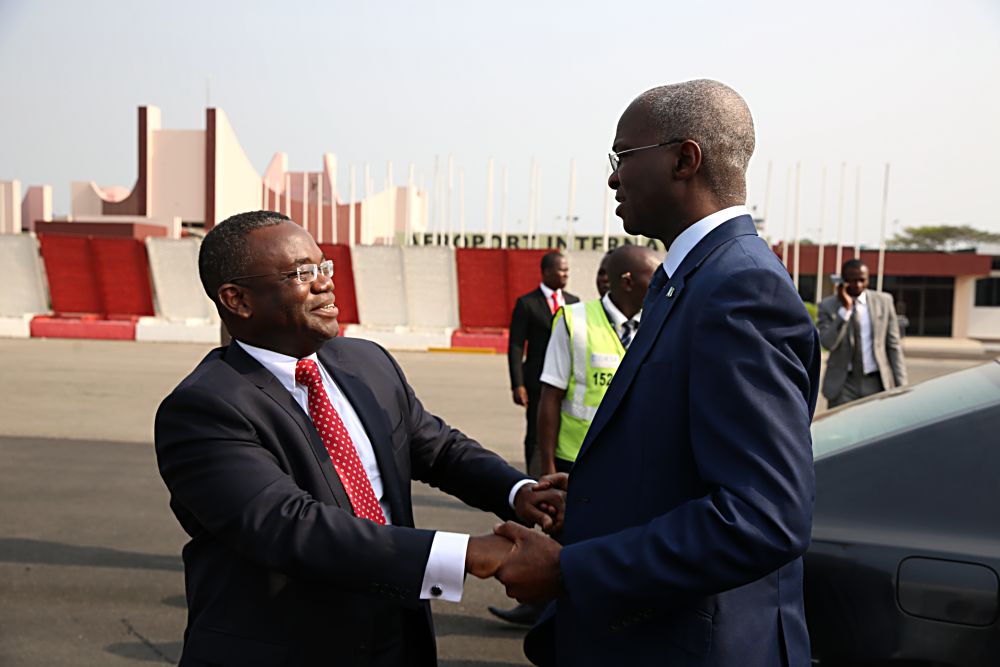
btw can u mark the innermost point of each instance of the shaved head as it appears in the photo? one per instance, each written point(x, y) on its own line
point(717, 119)
point(630, 268)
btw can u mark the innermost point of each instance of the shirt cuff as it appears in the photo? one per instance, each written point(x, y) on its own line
point(444, 576)
point(517, 487)
point(844, 313)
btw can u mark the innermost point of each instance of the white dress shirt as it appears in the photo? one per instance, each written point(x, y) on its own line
point(690, 237)
point(865, 321)
point(548, 292)
point(558, 366)
point(445, 569)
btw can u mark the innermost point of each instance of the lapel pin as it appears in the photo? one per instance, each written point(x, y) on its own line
point(670, 292)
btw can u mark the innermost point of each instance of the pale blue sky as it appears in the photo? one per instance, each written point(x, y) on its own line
point(913, 83)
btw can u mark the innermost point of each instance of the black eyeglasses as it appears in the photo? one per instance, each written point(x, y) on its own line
point(616, 158)
point(304, 273)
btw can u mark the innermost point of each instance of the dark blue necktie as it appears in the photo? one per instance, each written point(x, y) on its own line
point(655, 286)
point(628, 330)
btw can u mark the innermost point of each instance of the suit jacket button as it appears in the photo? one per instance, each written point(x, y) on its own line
point(436, 591)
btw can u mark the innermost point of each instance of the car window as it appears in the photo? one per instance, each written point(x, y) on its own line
point(907, 407)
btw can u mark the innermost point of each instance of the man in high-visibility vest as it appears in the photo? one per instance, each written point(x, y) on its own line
point(588, 341)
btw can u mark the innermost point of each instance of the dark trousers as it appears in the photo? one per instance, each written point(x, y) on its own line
point(562, 465)
point(532, 465)
point(855, 388)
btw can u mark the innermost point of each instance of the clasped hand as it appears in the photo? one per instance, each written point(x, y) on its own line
point(525, 561)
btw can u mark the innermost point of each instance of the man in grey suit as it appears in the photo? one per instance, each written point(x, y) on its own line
point(859, 328)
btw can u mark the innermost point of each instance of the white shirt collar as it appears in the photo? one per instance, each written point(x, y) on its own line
point(548, 292)
point(863, 298)
point(690, 237)
point(281, 365)
point(616, 316)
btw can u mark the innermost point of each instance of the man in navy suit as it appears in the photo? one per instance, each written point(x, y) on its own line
point(690, 504)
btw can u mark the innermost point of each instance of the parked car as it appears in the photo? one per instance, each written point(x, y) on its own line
point(903, 566)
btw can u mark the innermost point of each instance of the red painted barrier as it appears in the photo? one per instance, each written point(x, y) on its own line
point(524, 272)
point(122, 277)
point(72, 276)
point(99, 287)
point(73, 327)
point(343, 281)
point(482, 287)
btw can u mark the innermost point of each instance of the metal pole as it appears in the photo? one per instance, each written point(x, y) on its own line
point(489, 203)
point(767, 201)
point(569, 208)
point(461, 207)
point(503, 210)
point(410, 196)
point(351, 214)
point(822, 222)
point(788, 216)
point(857, 213)
point(607, 212)
point(881, 240)
point(532, 195)
point(798, 224)
point(840, 220)
point(451, 186)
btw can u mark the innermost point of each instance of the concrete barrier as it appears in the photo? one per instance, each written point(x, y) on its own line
point(583, 265)
point(178, 294)
point(401, 338)
point(22, 284)
point(155, 329)
point(378, 283)
point(431, 285)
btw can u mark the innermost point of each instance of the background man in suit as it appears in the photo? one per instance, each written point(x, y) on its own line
point(859, 328)
point(530, 325)
point(288, 457)
point(690, 503)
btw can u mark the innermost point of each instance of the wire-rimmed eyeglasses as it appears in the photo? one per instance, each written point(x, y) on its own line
point(304, 273)
point(616, 158)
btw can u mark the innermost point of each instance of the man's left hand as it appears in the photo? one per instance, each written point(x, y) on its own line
point(531, 572)
point(541, 505)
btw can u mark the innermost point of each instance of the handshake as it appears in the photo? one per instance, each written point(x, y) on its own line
point(525, 561)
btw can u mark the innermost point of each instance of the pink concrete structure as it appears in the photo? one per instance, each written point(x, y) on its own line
point(36, 206)
point(10, 207)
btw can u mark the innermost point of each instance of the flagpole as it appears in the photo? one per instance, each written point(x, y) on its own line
point(881, 240)
point(819, 255)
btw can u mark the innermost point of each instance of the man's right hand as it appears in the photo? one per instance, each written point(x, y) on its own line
point(846, 300)
point(521, 396)
point(485, 554)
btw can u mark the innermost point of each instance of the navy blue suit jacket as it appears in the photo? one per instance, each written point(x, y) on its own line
point(690, 503)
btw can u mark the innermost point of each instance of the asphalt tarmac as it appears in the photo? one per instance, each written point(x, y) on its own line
point(90, 568)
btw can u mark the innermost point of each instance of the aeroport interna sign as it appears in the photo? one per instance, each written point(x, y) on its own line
point(539, 241)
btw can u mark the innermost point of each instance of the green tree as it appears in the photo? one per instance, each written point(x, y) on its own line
point(941, 237)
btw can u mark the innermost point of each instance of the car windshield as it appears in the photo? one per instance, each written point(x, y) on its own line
point(905, 408)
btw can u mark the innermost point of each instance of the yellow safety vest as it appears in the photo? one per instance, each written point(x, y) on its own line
point(595, 352)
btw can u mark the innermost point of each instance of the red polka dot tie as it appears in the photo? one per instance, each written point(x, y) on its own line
point(338, 444)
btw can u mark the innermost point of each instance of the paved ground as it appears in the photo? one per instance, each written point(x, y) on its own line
point(90, 572)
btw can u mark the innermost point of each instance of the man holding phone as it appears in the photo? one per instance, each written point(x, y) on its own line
point(859, 328)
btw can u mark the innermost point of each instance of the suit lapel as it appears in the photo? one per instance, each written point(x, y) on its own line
point(249, 367)
point(373, 419)
point(653, 320)
point(874, 313)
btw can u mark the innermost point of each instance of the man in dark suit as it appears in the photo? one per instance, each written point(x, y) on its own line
point(288, 456)
point(690, 503)
point(530, 326)
point(859, 327)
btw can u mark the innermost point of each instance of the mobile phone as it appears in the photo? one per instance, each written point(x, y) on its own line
point(835, 279)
